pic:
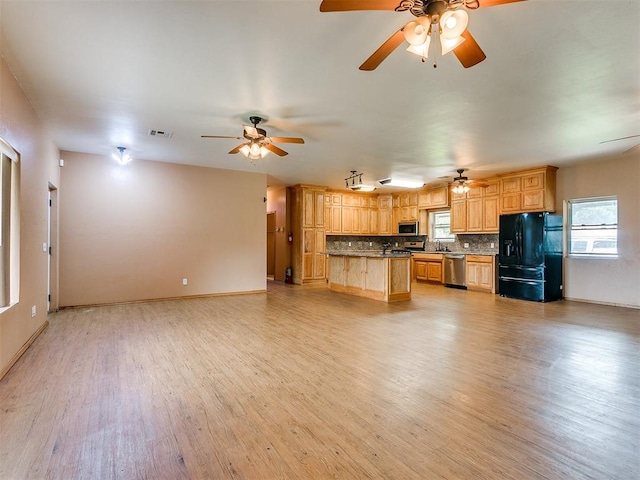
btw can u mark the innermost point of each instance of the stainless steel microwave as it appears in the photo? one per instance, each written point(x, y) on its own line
point(408, 228)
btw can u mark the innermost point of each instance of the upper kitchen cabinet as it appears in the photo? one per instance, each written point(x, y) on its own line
point(476, 211)
point(433, 197)
point(528, 191)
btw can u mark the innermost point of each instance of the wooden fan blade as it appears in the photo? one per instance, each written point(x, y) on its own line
point(469, 52)
point(274, 149)
point(219, 136)
point(286, 140)
point(237, 149)
point(635, 148)
point(351, 5)
point(384, 51)
point(251, 132)
point(493, 3)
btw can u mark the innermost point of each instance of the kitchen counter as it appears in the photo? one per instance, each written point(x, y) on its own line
point(371, 274)
point(368, 253)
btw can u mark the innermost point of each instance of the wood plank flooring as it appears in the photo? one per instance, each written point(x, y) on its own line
point(303, 383)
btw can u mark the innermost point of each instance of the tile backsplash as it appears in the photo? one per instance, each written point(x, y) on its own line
point(477, 243)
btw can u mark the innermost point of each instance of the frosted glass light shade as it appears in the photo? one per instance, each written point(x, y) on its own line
point(420, 50)
point(449, 44)
point(417, 32)
point(453, 23)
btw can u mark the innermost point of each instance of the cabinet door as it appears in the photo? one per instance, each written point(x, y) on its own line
point(439, 197)
point(434, 272)
point(510, 185)
point(475, 192)
point(318, 216)
point(533, 181)
point(308, 252)
point(319, 261)
point(373, 221)
point(385, 221)
point(347, 219)
point(532, 200)
point(510, 203)
point(485, 276)
point(308, 208)
point(420, 269)
point(472, 274)
point(458, 216)
point(385, 202)
point(474, 215)
point(336, 219)
point(490, 214)
point(424, 199)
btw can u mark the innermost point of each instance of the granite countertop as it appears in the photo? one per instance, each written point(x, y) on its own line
point(378, 253)
point(366, 253)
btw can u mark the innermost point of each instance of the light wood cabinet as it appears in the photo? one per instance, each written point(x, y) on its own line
point(528, 191)
point(433, 197)
point(380, 278)
point(308, 228)
point(480, 273)
point(477, 211)
point(427, 267)
point(385, 214)
point(458, 216)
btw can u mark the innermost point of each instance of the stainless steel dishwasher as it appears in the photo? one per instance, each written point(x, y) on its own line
point(454, 270)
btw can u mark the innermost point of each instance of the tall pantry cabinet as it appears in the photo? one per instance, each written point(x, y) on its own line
point(307, 224)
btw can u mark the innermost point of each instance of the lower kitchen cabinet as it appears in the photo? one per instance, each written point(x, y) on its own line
point(427, 267)
point(481, 273)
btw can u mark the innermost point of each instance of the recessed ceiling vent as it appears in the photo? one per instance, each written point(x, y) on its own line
point(160, 133)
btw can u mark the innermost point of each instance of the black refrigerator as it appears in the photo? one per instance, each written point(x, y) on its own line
point(530, 258)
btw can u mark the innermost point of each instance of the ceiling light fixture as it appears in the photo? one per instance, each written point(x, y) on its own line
point(253, 150)
point(121, 157)
point(389, 182)
point(460, 188)
point(429, 30)
point(356, 183)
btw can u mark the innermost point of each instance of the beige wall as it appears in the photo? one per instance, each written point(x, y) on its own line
point(21, 128)
point(134, 232)
point(277, 203)
point(613, 281)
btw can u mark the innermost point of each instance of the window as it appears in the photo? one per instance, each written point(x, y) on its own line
point(593, 226)
point(9, 225)
point(441, 226)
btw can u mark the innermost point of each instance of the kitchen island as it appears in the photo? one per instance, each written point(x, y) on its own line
point(371, 274)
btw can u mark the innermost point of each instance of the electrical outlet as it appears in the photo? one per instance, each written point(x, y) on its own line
point(493, 245)
point(396, 244)
point(466, 245)
point(33, 311)
point(371, 244)
point(185, 281)
point(349, 243)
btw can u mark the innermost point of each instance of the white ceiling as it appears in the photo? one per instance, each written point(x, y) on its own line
point(560, 77)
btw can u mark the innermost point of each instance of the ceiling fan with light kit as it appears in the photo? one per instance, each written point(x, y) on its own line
point(259, 144)
point(461, 183)
point(440, 27)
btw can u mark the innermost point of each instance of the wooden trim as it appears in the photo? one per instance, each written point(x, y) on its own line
point(24, 348)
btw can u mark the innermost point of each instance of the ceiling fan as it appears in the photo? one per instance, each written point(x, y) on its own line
point(258, 144)
point(461, 183)
point(635, 148)
point(441, 24)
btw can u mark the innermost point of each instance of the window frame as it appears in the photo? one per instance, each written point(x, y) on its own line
point(587, 242)
point(433, 222)
point(9, 226)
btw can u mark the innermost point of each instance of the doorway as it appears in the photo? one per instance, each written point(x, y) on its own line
point(271, 245)
point(52, 243)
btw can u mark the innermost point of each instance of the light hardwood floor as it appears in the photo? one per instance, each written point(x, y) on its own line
point(303, 383)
